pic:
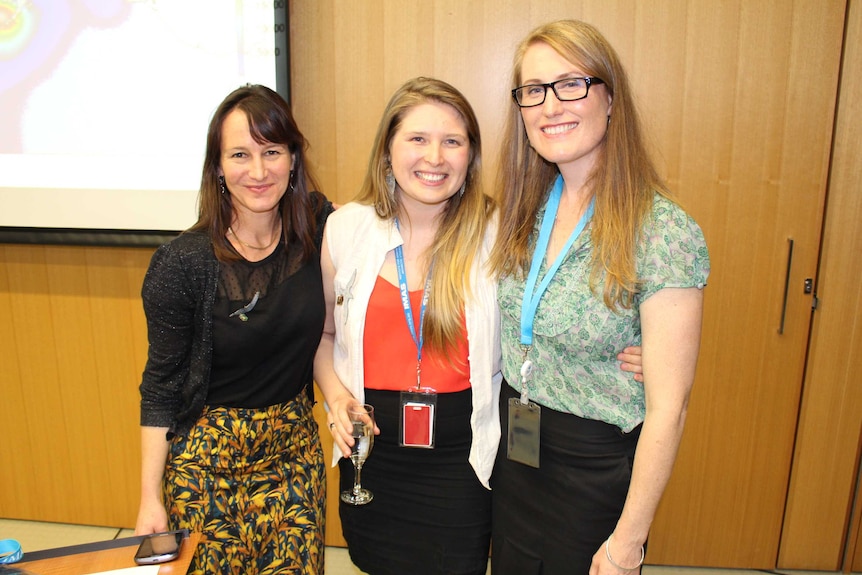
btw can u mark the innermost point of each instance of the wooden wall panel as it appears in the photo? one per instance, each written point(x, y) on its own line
point(825, 465)
point(13, 478)
point(72, 351)
point(348, 59)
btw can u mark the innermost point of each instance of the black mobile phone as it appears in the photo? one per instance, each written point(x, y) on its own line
point(159, 548)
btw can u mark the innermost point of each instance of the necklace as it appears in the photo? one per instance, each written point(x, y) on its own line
point(266, 247)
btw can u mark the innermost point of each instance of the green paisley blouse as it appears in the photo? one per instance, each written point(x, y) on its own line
point(576, 337)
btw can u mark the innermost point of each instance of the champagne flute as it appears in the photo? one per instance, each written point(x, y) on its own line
point(362, 418)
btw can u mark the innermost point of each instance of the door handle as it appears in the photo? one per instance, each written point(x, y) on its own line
point(786, 285)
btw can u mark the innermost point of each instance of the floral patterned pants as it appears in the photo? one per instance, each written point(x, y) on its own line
point(252, 481)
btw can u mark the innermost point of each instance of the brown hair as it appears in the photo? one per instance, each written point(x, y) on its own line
point(269, 120)
point(624, 180)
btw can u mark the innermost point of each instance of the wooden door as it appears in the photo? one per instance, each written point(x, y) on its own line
point(825, 466)
point(751, 160)
point(738, 98)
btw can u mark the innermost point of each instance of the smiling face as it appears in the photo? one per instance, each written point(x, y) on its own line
point(569, 134)
point(430, 154)
point(256, 175)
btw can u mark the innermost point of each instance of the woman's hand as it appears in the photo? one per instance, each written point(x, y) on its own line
point(632, 361)
point(617, 559)
point(339, 422)
point(152, 518)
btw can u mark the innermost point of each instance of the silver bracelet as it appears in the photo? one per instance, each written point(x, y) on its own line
point(614, 563)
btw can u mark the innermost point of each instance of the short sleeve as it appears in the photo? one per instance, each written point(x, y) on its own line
point(672, 251)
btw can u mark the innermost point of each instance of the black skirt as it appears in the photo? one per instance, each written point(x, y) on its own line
point(553, 519)
point(430, 514)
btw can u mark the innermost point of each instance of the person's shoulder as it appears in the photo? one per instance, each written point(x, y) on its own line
point(670, 222)
point(185, 249)
point(354, 212)
point(662, 203)
point(188, 256)
point(320, 204)
point(357, 208)
point(353, 223)
point(188, 242)
point(666, 211)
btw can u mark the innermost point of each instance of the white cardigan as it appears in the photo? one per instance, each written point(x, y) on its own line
point(358, 242)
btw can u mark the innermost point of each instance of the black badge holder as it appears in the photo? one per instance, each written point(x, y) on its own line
point(525, 418)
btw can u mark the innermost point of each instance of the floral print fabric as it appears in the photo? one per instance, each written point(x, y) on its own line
point(576, 337)
point(252, 481)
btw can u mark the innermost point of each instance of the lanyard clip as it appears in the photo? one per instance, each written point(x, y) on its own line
point(526, 372)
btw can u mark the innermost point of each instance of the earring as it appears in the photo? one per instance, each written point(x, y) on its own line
point(461, 191)
point(390, 184)
point(221, 185)
point(609, 119)
point(290, 185)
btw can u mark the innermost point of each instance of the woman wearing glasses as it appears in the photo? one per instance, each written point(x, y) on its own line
point(609, 261)
point(421, 228)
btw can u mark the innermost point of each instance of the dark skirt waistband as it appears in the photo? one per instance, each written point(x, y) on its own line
point(564, 428)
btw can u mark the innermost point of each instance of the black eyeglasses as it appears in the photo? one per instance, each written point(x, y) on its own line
point(566, 90)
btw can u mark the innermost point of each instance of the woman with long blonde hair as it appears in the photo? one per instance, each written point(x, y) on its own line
point(411, 308)
point(594, 256)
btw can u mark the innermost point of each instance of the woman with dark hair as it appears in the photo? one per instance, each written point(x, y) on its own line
point(594, 256)
point(234, 311)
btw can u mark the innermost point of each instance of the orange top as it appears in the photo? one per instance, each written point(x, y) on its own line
point(390, 354)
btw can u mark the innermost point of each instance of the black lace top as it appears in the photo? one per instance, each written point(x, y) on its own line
point(264, 355)
point(186, 289)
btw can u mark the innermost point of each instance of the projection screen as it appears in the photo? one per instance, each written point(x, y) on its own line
point(104, 107)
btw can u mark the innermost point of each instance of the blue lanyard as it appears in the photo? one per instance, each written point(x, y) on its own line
point(418, 338)
point(530, 303)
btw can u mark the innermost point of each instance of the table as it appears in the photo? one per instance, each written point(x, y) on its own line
point(102, 556)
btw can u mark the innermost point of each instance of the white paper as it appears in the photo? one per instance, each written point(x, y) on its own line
point(140, 570)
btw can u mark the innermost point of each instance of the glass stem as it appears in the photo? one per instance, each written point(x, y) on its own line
point(357, 483)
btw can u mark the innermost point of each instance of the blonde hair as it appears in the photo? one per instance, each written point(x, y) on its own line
point(462, 224)
point(623, 183)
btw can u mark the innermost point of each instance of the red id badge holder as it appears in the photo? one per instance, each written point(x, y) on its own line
point(418, 416)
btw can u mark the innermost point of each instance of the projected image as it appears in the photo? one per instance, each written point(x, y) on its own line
point(116, 95)
point(33, 40)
